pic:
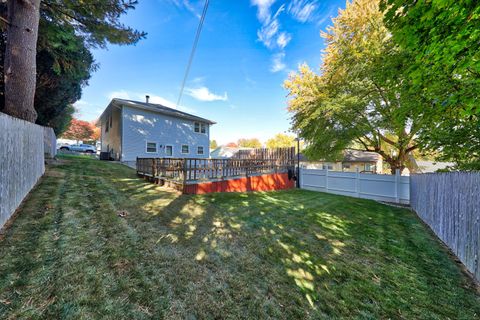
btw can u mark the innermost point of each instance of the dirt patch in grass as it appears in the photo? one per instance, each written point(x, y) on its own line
point(280, 255)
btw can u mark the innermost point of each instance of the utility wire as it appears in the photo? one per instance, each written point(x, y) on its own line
point(194, 48)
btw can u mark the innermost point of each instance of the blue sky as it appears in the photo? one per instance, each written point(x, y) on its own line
point(246, 51)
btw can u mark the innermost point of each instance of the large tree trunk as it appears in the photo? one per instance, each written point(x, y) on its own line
point(20, 54)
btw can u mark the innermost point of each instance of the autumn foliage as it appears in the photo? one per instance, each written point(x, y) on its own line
point(81, 130)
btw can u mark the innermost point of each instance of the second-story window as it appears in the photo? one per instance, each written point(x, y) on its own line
point(185, 149)
point(200, 127)
point(199, 150)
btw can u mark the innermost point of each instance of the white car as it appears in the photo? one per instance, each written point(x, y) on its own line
point(87, 148)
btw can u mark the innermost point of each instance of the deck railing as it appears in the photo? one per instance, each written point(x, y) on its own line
point(244, 163)
point(191, 169)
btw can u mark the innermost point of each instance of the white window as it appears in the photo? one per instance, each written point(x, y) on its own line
point(185, 149)
point(327, 166)
point(199, 150)
point(368, 167)
point(200, 127)
point(151, 147)
point(169, 151)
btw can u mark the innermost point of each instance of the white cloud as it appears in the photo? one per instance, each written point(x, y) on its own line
point(283, 39)
point(278, 63)
point(267, 32)
point(270, 33)
point(270, 23)
point(302, 10)
point(204, 94)
point(186, 4)
point(86, 110)
point(263, 12)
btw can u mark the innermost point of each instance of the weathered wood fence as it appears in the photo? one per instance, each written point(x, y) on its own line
point(450, 204)
point(21, 161)
point(49, 142)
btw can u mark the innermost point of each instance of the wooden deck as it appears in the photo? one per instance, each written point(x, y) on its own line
point(180, 172)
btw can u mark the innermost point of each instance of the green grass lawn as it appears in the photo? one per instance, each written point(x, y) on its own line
point(284, 255)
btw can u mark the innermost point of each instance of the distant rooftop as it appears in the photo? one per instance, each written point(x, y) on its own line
point(353, 156)
point(360, 156)
point(432, 166)
point(224, 152)
point(158, 108)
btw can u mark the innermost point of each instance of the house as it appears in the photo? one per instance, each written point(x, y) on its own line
point(424, 166)
point(224, 152)
point(131, 129)
point(364, 161)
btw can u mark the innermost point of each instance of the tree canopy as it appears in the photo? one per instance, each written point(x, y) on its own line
point(97, 21)
point(249, 143)
point(443, 39)
point(67, 31)
point(359, 97)
point(213, 144)
point(79, 130)
point(281, 140)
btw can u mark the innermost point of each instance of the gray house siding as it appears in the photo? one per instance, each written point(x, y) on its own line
point(111, 138)
point(142, 126)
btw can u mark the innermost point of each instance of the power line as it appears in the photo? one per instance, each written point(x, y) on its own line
point(194, 48)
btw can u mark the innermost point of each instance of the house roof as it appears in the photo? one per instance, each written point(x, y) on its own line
point(353, 156)
point(157, 108)
point(226, 152)
point(432, 166)
point(360, 156)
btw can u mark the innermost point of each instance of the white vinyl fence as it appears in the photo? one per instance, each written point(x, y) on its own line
point(450, 204)
point(21, 162)
point(389, 188)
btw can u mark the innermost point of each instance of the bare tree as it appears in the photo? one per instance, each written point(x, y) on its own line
point(20, 58)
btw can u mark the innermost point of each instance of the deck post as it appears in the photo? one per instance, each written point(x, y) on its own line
point(223, 168)
point(154, 171)
point(195, 169)
point(184, 172)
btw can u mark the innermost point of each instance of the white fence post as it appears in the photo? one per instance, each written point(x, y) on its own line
point(326, 178)
point(300, 173)
point(357, 183)
point(397, 185)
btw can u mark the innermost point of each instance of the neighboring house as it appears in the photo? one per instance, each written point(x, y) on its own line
point(365, 161)
point(224, 152)
point(421, 166)
point(131, 129)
